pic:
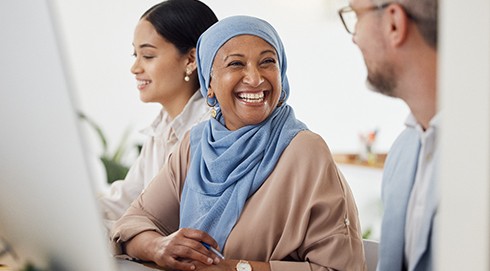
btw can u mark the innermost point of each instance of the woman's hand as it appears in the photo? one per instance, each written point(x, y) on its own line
point(181, 250)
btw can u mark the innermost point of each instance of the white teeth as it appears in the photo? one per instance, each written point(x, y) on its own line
point(143, 82)
point(252, 97)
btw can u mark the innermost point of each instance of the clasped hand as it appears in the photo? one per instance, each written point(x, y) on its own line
point(183, 250)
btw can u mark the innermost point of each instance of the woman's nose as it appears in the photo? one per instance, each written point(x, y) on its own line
point(136, 68)
point(253, 77)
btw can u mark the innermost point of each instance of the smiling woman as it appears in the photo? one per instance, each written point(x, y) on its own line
point(164, 67)
point(240, 169)
point(248, 81)
point(326, 67)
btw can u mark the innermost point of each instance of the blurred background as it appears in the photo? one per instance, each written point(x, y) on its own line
point(325, 69)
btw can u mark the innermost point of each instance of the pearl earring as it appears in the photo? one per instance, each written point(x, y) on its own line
point(187, 73)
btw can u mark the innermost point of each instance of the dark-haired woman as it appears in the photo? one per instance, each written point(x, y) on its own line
point(164, 43)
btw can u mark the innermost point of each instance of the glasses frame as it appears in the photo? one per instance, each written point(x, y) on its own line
point(348, 9)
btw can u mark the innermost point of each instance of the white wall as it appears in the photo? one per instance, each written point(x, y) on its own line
point(326, 73)
point(463, 232)
point(326, 70)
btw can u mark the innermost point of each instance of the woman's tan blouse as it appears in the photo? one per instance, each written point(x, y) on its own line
point(303, 217)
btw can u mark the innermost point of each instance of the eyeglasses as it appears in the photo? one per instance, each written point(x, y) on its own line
point(349, 15)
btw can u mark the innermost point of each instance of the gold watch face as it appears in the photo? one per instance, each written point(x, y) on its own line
point(243, 266)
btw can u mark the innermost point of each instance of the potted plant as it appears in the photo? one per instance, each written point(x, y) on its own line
point(114, 167)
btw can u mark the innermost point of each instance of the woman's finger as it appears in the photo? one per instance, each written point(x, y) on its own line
point(178, 247)
point(196, 239)
point(200, 236)
point(203, 255)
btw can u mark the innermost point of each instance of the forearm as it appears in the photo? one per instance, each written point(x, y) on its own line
point(122, 192)
point(142, 246)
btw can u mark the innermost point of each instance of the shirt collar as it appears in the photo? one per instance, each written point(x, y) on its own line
point(194, 111)
point(411, 122)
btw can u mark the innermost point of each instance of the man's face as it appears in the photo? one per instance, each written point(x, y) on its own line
point(369, 37)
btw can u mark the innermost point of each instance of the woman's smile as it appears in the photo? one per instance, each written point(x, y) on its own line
point(246, 80)
point(253, 98)
point(142, 84)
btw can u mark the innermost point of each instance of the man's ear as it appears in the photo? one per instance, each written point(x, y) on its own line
point(398, 22)
point(191, 59)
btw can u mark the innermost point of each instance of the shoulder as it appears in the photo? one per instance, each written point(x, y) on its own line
point(408, 138)
point(308, 143)
point(404, 149)
point(196, 109)
point(306, 154)
point(179, 158)
point(401, 162)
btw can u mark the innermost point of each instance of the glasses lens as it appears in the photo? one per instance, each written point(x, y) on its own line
point(350, 20)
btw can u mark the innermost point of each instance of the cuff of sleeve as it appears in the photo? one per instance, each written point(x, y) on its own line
point(123, 232)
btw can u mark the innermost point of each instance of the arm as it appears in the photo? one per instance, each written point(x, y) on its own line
point(168, 251)
point(122, 192)
point(149, 228)
point(296, 220)
point(156, 209)
point(325, 209)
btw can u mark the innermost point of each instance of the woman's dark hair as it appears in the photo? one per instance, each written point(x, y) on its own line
point(181, 22)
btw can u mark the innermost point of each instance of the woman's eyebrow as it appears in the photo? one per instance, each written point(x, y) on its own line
point(231, 55)
point(242, 55)
point(145, 45)
point(268, 51)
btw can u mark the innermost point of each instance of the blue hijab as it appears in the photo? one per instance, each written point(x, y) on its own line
point(227, 167)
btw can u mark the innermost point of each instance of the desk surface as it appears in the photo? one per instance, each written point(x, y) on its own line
point(121, 265)
point(124, 265)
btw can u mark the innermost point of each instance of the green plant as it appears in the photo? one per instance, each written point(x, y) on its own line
point(367, 233)
point(115, 169)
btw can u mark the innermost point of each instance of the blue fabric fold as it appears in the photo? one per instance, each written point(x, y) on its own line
point(227, 167)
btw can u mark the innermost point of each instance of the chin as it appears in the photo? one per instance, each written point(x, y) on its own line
point(145, 98)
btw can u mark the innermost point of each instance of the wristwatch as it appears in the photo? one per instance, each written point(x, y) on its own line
point(243, 266)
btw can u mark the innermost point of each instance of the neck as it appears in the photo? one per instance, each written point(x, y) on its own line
point(175, 105)
point(418, 84)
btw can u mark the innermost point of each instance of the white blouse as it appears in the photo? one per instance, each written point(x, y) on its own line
point(163, 134)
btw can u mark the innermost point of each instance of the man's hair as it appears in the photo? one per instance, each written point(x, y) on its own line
point(424, 13)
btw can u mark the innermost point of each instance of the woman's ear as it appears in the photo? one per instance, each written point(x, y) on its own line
point(191, 59)
point(398, 20)
point(210, 92)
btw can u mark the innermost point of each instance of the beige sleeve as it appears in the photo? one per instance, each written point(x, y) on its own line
point(157, 208)
point(327, 211)
point(303, 217)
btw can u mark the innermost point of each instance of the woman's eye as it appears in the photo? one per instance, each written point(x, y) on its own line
point(235, 63)
point(144, 56)
point(269, 60)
